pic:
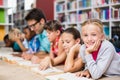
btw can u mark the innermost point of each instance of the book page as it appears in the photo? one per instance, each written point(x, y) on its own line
point(66, 76)
point(48, 71)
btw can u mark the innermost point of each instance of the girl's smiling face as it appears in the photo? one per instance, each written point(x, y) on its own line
point(90, 34)
point(68, 41)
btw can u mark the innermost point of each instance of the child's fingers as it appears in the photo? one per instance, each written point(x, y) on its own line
point(41, 67)
point(88, 76)
point(97, 45)
point(78, 74)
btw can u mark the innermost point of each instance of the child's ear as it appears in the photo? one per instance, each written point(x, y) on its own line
point(78, 40)
point(58, 32)
point(102, 37)
point(42, 21)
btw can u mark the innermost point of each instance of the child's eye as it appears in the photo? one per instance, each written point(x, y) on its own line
point(67, 41)
point(62, 42)
point(85, 35)
point(93, 34)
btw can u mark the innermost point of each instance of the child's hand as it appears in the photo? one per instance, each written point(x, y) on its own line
point(83, 74)
point(35, 59)
point(26, 56)
point(75, 48)
point(93, 48)
point(45, 63)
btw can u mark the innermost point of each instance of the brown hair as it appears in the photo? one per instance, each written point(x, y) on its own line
point(53, 25)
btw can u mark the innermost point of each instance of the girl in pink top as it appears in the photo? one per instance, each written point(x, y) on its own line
point(57, 54)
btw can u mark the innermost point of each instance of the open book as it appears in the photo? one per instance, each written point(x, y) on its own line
point(49, 71)
point(65, 76)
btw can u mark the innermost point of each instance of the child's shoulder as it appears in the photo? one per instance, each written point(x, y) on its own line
point(107, 43)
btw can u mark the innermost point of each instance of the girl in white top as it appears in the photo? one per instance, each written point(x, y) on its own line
point(98, 54)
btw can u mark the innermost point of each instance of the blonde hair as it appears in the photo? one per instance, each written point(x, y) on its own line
point(96, 22)
point(13, 33)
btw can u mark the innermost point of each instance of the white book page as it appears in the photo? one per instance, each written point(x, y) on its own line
point(66, 76)
point(47, 71)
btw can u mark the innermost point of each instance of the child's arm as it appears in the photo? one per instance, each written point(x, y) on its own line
point(72, 63)
point(61, 55)
point(98, 68)
point(18, 41)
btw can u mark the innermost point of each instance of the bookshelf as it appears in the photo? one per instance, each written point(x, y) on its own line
point(72, 13)
point(4, 21)
point(22, 9)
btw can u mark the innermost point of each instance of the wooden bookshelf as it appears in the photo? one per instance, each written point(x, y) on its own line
point(73, 12)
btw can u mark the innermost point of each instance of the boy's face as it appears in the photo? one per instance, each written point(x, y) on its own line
point(35, 26)
point(68, 41)
point(52, 35)
point(27, 33)
point(90, 34)
point(8, 43)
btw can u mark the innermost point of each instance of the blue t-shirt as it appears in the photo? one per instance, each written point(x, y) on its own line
point(34, 44)
point(44, 42)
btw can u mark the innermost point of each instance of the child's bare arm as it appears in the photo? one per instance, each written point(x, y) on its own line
point(61, 55)
point(21, 45)
point(72, 63)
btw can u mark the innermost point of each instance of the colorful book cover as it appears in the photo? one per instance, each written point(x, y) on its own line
point(2, 16)
point(2, 32)
point(1, 2)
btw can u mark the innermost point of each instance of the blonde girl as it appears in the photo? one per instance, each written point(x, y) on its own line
point(97, 53)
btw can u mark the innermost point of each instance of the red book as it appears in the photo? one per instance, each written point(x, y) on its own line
point(1, 2)
point(116, 13)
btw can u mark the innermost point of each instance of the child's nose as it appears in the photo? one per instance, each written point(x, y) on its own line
point(89, 38)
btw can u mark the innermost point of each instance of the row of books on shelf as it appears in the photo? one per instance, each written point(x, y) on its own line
point(20, 7)
point(18, 23)
point(71, 5)
point(18, 16)
point(60, 7)
point(100, 2)
point(84, 3)
point(84, 15)
point(115, 13)
point(72, 17)
point(115, 1)
point(101, 13)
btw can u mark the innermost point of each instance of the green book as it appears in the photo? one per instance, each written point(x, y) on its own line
point(2, 16)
